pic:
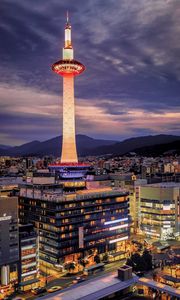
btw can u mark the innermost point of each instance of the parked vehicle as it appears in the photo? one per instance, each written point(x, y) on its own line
point(94, 269)
point(54, 289)
point(39, 290)
point(79, 279)
point(139, 274)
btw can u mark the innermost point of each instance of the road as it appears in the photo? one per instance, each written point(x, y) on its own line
point(67, 281)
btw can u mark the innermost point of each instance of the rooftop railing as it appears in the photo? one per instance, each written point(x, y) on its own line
point(61, 197)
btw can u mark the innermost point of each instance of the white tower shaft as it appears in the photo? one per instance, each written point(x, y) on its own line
point(69, 153)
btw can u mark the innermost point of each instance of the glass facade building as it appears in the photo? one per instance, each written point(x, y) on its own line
point(70, 224)
point(160, 210)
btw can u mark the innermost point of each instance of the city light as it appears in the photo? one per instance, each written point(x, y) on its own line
point(152, 233)
point(119, 226)
point(115, 221)
point(115, 208)
point(118, 240)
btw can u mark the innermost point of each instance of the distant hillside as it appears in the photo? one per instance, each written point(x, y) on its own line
point(169, 148)
point(131, 144)
point(4, 146)
point(85, 145)
point(89, 146)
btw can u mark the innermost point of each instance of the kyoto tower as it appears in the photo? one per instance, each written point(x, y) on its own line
point(68, 67)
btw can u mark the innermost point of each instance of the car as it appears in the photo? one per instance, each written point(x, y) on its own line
point(39, 290)
point(139, 274)
point(54, 289)
point(79, 279)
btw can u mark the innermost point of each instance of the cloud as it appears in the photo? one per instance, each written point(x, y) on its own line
point(37, 115)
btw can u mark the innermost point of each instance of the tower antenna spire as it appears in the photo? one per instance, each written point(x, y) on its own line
point(67, 17)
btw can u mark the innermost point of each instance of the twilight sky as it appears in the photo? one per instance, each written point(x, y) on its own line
point(131, 50)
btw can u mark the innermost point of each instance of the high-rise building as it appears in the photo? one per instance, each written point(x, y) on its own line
point(9, 238)
point(133, 187)
point(71, 224)
point(160, 210)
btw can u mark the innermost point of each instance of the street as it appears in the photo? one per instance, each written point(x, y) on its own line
point(66, 281)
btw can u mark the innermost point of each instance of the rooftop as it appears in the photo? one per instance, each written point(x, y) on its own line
point(93, 289)
point(105, 285)
point(163, 185)
point(160, 286)
point(10, 182)
point(80, 195)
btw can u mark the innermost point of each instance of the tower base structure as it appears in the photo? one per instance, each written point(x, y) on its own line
point(72, 171)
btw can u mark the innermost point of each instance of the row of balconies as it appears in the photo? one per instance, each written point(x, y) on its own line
point(83, 221)
point(87, 237)
point(90, 238)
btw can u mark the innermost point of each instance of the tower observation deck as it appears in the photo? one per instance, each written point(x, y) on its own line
point(68, 68)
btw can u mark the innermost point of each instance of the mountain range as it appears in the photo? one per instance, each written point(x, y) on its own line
point(90, 146)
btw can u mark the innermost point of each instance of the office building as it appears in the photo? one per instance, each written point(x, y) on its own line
point(9, 238)
point(72, 224)
point(160, 210)
point(133, 187)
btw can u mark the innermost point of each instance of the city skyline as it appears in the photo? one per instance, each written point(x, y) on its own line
point(131, 84)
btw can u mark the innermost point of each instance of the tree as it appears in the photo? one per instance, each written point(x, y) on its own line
point(148, 259)
point(70, 266)
point(83, 262)
point(130, 263)
point(106, 257)
point(97, 259)
point(139, 262)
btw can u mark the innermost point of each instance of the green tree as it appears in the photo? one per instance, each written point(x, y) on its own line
point(106, 257)
point(130, 263)
point(139, 262)
point(83, 262)
point(97, 259)
point(148, 259)
point(70, 266)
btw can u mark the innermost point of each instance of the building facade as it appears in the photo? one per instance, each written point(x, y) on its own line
point(9, 238)
point(133, 188)
point(28, 249)
point(69, 224)
point(160, 210)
